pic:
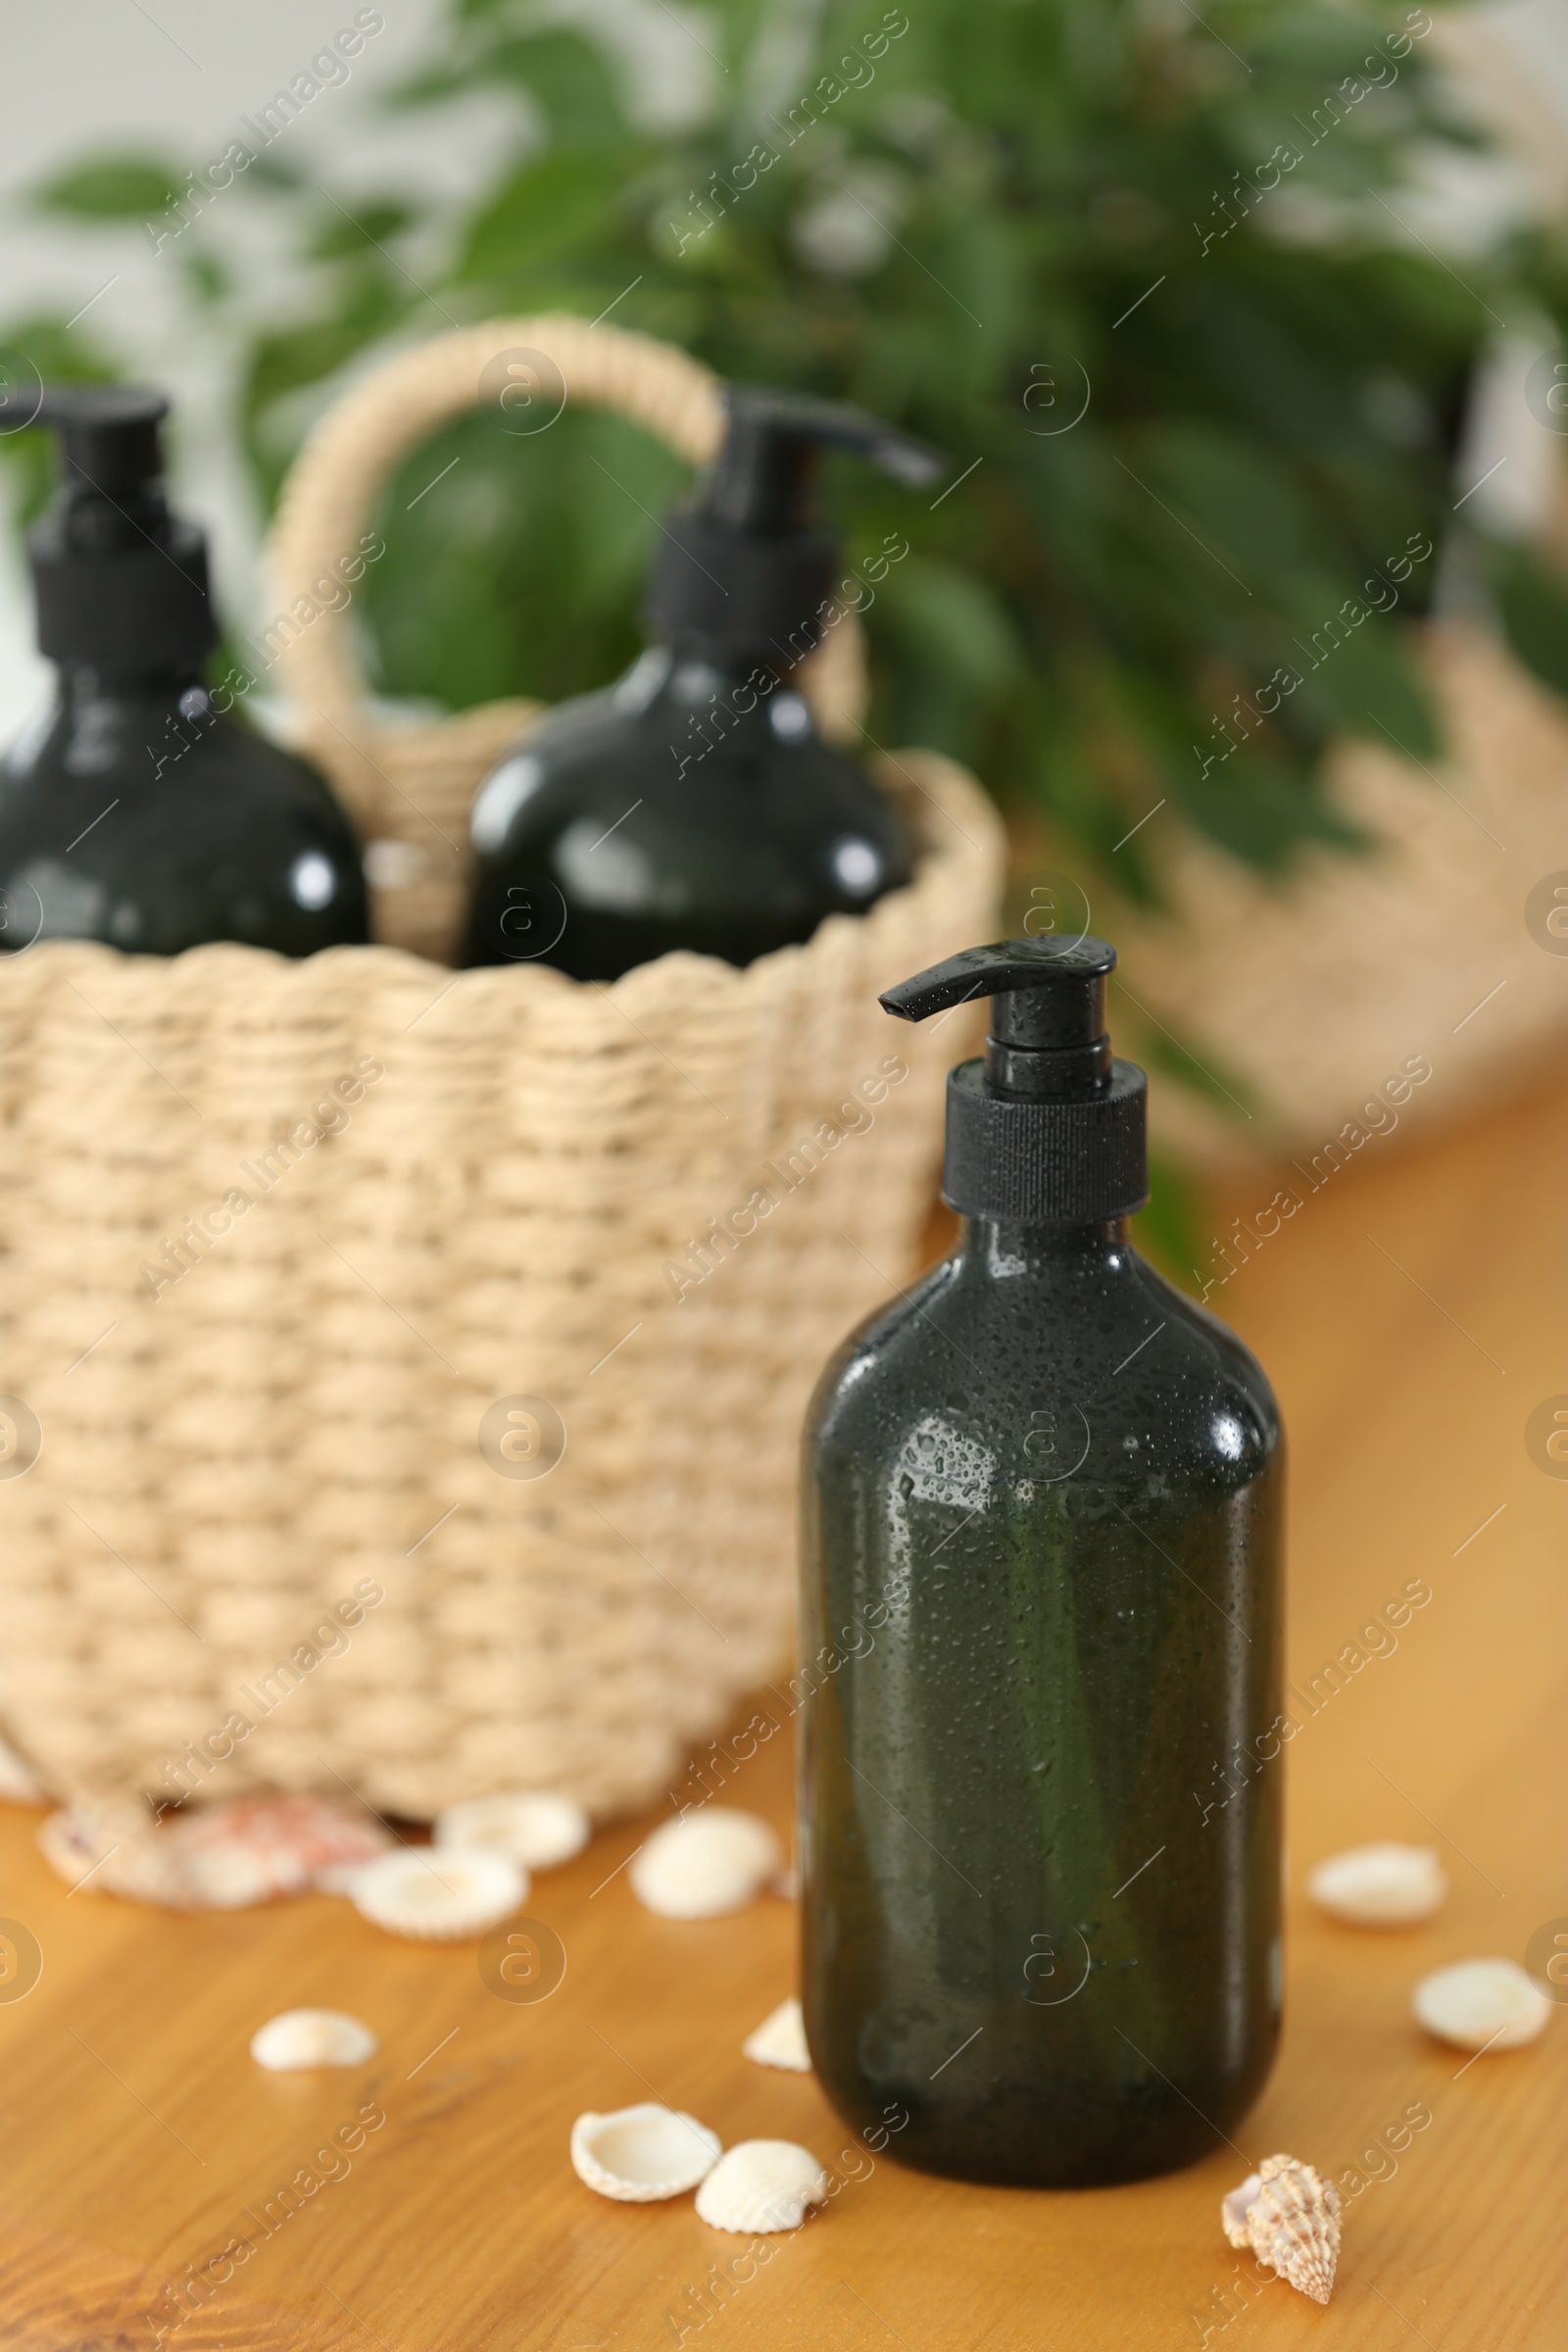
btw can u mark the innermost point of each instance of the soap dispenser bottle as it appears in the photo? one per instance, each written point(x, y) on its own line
point(133, 812)
point(693, 804)
point(1042, 1619)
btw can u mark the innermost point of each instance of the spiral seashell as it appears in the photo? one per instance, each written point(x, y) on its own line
point(534, 1826)
point(1482, 2005)
point(713, 1861)
point(639, 2154)
point(1234, 2210)
point(306, 2037)
point(1289, 2217)
point(438, 1892)
point(1385, 1885)
point(780, 2040)
point(762, 2185)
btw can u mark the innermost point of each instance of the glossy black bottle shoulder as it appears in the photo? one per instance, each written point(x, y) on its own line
point(133, 812)
point(688, 806)
point(1080, 1360)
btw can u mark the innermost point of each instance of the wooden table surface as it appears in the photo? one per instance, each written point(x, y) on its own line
point(1413, 1315)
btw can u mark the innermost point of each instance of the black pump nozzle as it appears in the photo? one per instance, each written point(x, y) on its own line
point(1048, 1017)
point(744, 565)
point(112, 460)
point(1048, 1129)
point(765, 472)
point(120, 582)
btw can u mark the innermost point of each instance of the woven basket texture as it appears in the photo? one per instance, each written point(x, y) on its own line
point(279, 1237)
point(1302, 998)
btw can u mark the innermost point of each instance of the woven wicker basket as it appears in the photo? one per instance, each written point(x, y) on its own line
point(403, 1199)
point(1308, 995)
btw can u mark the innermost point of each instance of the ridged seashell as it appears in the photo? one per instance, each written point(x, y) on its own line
point(1289, 2217)
point(222, 1857)
point(437, 1893)
point(106, 1846)
point(1477, 2003)
point(1380, 1885)
point(251, 1848)
point(639, 2154)
point(762, 2185)
point(713, 1861)
point(1234, 2210)
point(303, 2038)
point(780, 2040)
point(533, 1825)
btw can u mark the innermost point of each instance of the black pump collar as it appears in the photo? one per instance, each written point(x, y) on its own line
point(1048, 1128)
point(744, 567)
point(120, 582)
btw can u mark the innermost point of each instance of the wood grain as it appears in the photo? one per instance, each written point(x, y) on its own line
point(1412, 1314)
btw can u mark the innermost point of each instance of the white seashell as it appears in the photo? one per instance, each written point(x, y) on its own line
point(1482, 2005)
point(1380, 1885)
point(438, 1891)
point(1234, 2210)
point(106, 1846)
point(641, 2153)
point(713, 1861)
point(303, 2038)
point(1289, 2217)
point(250, 1848)
point(762, 2185)
point(220, 1857)
point(780, 2040)
point(533, 1825)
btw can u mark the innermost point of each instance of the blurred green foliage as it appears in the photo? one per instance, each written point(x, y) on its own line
point(1198, 392)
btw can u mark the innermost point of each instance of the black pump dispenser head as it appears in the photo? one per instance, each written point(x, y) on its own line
point(744, 567)
point(120, 582)
point(1048, 1129)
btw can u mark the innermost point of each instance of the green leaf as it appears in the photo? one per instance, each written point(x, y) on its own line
point(1241, 501)
point(1532, 598)
point(275, 172)
point(543, 211)
point(284, 363)
point(345, 232)
point(571, 80)
point(1363, 676)
point(208, 281)
point(1259, 807)
point(126, 187)
point(956, 621)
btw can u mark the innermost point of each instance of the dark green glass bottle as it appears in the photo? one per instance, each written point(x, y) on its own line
point(134, 812)
point(1041, 1611)
point(694, 806)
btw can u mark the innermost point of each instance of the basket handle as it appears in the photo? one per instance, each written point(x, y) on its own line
point(334, 485)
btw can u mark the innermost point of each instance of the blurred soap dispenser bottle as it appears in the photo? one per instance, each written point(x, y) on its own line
point(1042, 1594)
point(132, 812)
point(693, 804)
